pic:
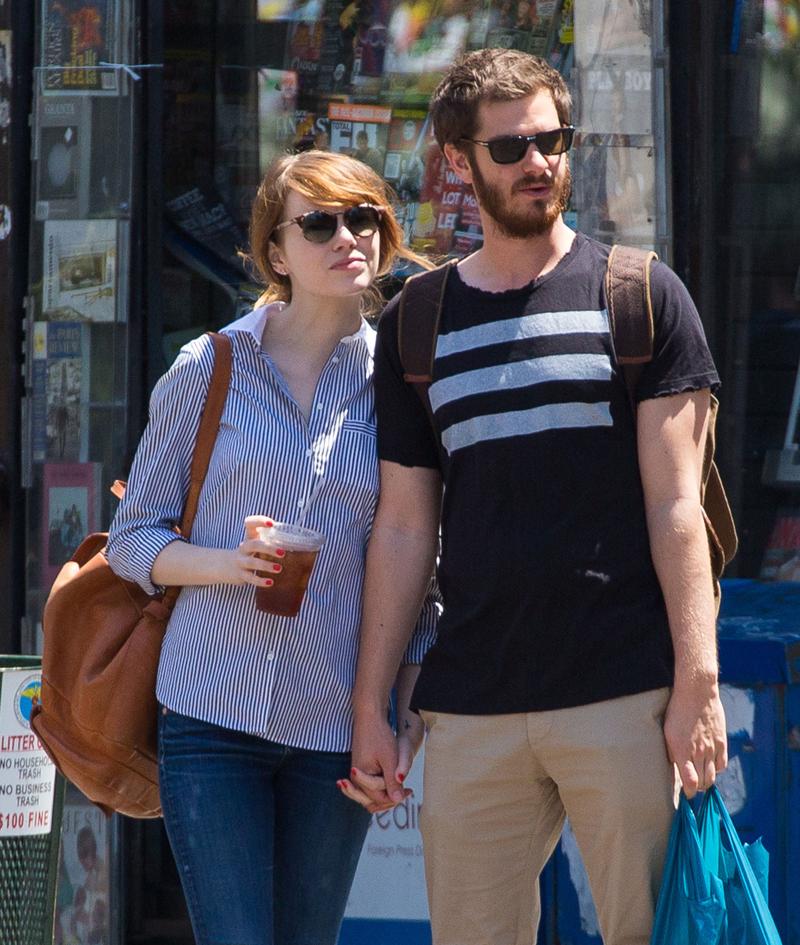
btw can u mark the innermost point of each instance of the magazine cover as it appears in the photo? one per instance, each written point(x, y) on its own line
point(69, 512)
point(369, 46)
point(61, 366)
point(303, 47)
point(361, 131)
point(337, 52)
point(80, 269)
point(423, 40)
point(83, 156)
point(781, 561)
point(277, 100)
point(76, 36)
point(83, 892)
point(405, 151)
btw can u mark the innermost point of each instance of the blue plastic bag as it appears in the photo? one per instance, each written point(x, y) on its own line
point(714, 888)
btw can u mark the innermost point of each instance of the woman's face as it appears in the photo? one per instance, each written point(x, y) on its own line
point(343, 266)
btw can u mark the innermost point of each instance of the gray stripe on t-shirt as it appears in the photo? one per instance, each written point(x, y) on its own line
point(517, 329)
point(498, 426)
point(516, 374)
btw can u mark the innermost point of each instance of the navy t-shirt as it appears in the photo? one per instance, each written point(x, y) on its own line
point(550, 596)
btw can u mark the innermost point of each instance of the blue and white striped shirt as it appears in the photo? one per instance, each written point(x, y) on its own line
point(286, 679)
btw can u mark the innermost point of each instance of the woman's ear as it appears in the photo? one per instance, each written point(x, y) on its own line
point(276, 260)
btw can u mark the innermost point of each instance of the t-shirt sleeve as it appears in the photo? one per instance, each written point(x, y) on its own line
point(681, 359)
point(404, 431)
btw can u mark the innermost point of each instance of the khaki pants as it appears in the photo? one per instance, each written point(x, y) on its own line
point(496, 790)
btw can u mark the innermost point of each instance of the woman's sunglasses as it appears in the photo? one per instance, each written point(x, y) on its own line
point(512, 148)
point(319, 226)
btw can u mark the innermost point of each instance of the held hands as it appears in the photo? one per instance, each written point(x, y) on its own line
point(381, 762)
point(245, 567)
point(695, 733)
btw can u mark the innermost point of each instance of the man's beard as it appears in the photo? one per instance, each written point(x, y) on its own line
point(518, 223)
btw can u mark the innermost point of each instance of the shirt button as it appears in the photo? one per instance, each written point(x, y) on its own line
point(300, 503)
point(309, 452)
point(335, 359)
point(319, 406)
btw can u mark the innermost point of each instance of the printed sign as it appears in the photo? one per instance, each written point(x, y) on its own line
point(27, 776)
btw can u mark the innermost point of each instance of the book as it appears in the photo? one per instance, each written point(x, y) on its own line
point(61, 373)
point(80, 277)
point(361, 131)
point(76, 36)
point(70, 511)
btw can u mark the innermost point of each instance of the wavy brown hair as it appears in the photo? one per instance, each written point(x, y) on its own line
point(330, 180)
point(491, 75)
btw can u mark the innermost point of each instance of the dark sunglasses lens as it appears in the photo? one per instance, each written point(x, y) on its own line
point(554, 142)
point(318, 226)
point(508, 150)
point(362, 221)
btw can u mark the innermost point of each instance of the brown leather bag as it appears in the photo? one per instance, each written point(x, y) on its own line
point(97, 718)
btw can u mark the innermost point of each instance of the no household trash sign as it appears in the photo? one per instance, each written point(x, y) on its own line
point(27, 776)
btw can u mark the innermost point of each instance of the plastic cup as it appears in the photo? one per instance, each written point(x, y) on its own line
point(302, 547)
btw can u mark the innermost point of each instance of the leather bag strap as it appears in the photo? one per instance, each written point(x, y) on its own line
point(209, 426)
point(418, 323)
point(630, 312)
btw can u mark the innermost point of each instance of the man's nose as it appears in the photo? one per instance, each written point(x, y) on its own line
point(534, 161)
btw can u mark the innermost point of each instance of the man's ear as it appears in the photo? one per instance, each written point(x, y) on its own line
point(457, 159)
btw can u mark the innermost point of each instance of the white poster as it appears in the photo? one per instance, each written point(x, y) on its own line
point(390, 879)
point(27, 776)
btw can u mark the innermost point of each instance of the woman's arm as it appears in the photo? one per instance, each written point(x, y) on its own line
point(181, 563)
point(143, 544)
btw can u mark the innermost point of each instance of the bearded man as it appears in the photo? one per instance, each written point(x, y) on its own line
point(575, 668)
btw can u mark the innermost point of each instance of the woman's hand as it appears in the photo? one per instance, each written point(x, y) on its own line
point(249, 564)
point(410, 732)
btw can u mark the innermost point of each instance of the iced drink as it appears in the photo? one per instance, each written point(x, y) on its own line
point(302, 547)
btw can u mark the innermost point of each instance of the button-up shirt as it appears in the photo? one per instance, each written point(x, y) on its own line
point(222, 661)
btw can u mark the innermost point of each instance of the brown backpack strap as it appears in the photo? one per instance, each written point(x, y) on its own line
point(209, 425)
point(418, 322)
point(418, 316)
point(628, 299)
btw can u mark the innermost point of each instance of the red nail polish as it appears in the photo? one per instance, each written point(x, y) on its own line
point(401, 777)
point(277, 568)
point(280, 552)
point(268, 583)
point(353, 772)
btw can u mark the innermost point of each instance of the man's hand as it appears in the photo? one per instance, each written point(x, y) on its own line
point(373, 781)
point(695, 733)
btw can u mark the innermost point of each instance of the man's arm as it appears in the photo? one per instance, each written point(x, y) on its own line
point(671, 439)
point(400, 559)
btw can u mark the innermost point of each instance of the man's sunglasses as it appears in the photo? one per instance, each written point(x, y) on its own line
point(319, 226)
point(512, 148)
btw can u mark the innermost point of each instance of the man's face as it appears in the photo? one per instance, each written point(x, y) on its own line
point(526, 198)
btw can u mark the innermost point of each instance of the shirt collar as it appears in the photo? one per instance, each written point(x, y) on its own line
point(253, 324)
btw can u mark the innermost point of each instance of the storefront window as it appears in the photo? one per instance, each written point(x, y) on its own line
point(758, 273)
point(245, 84)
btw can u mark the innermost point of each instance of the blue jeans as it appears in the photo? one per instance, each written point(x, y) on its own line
point(265, 843)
